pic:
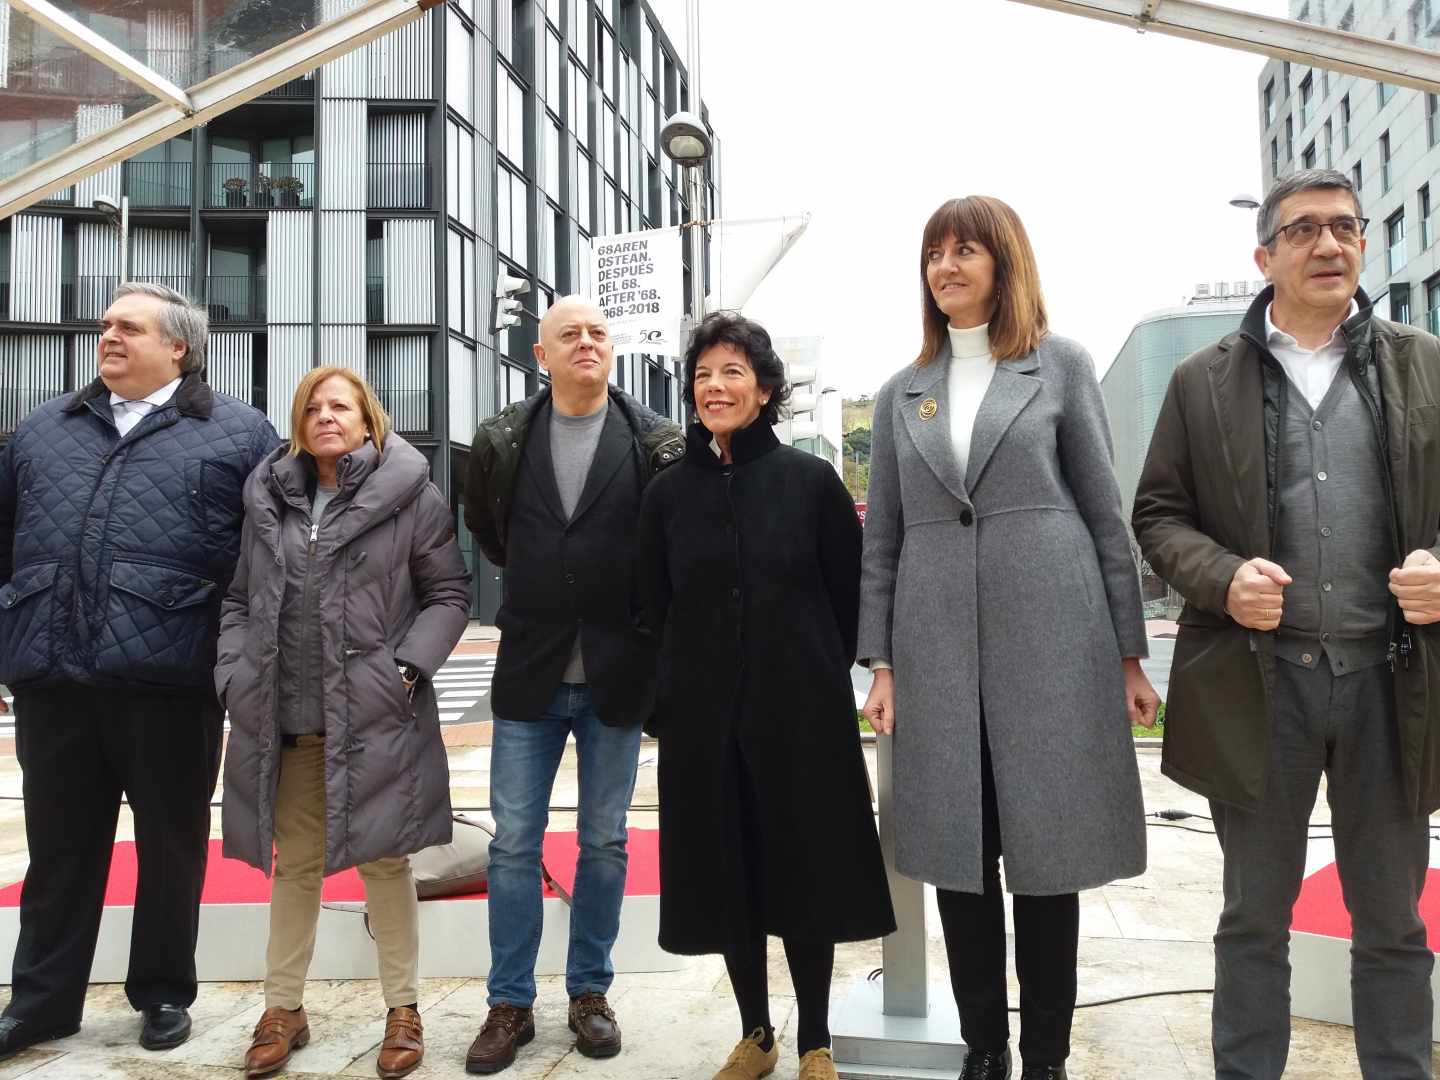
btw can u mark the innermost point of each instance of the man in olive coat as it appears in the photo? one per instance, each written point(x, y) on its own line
point(1290, 496)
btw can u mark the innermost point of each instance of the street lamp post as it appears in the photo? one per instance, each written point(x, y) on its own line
point(118, 215)
point(687, 143)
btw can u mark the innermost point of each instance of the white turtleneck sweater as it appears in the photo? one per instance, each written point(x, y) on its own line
point(971, 368)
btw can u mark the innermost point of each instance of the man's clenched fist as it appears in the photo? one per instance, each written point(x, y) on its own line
point(1255, 598)
point(1417, 586)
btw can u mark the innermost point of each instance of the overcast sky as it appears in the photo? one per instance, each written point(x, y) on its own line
point(1120, 151)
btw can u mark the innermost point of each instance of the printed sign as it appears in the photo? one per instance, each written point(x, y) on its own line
point(639, 283)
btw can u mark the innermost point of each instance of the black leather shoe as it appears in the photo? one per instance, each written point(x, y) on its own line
point(1043, 1072)
point(17, 1035)
point(165, 1026)
point(986, 1065)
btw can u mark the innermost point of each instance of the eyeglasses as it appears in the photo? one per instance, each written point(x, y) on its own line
point(1304, 234)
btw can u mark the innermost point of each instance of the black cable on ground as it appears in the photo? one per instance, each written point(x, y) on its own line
point(1104, 1001)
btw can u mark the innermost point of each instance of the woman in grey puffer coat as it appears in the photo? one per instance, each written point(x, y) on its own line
point(350, 592)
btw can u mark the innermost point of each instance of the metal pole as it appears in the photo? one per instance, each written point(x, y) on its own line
point(124, 239)
point(695, 174)
point(696, 183)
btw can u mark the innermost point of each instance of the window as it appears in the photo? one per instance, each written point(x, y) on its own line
point(607, 139)
point(1347, 21)
point(1329, 145)
point(1307, 92)
point(1432, 119)
point(1426, 236)
point(1324, 83)
point(1383, 93)
point(460, 170)
point(1285, 81)
point(1395, 242)
point(552, 71)
point(605, 60)
point(580, 30)
point(583, 209)
point(1289, 139)
point(1307, 159)
point(1357, 176)
point(509, 116)
point(459, 66)
point(1274, 158)
point(460, 294)
point(579, 104)
point(1432, 305)
point(512, 216)
point(1385, 162)
point(552, 159)
point(1345, 122)
point(1400, 302)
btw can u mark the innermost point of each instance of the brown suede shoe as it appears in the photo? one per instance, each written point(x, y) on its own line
point(279, 1034)
point(404, 1045)
point(597, 1035)
point(507, 1028)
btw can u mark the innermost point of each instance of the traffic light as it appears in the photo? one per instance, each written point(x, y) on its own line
point(507, 308)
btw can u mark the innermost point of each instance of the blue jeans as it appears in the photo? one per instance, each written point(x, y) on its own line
point(524, 757)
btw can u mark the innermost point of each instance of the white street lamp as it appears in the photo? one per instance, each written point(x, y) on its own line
point(118, 215)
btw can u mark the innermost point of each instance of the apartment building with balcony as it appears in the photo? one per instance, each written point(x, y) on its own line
point(1385, 138)
point(359, 215)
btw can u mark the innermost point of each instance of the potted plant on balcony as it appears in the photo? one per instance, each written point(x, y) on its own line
point(289, 188)
point(264, 193)
point(234, 191)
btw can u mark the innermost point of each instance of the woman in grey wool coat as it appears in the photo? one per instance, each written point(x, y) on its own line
point(1000, 610)
point(350, 592)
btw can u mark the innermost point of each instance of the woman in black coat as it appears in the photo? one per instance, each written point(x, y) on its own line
point(750, 562)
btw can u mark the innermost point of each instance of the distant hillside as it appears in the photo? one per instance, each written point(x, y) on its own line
point(855, 417)
point(856, 413)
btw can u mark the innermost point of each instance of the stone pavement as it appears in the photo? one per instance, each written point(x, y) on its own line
point(1150, 933)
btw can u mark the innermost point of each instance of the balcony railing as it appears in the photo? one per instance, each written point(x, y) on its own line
point(397, 185)
point(374, 299)
point(409, 409)
point(64, 197)
point(17, 401)
point(225, 59)
point(236, 298)
point(85, 297)
point(158, 184)
point(263, 185)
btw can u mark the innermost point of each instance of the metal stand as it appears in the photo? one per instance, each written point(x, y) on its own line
point(887, 1028)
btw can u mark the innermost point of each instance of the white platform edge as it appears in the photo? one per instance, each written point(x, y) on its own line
point(454, 941)
point(1320, 980)
point(870, 1045)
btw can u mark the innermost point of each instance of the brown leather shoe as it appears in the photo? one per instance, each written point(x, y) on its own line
point(506, 1029)
point(279, 1034)
point(597, 1035)
point(404, 1045)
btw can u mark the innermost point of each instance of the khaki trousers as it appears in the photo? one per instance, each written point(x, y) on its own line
point(295, 895)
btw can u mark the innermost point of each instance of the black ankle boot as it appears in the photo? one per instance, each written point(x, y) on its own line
point(986, 1064)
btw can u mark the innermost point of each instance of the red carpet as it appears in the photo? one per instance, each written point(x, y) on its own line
point(231, 882)
point(1321, 908)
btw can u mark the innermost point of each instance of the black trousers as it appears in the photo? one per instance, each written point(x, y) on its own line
point(1047, 941)
point(80, 748)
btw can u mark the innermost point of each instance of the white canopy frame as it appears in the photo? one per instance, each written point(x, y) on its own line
point(179, 110)
point(85, 39)
point(1284, 39)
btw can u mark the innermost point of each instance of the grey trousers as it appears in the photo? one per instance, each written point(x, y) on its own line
point(1343, 727)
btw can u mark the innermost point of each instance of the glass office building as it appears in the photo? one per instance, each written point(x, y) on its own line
point(358, 215)
point(1384, 138)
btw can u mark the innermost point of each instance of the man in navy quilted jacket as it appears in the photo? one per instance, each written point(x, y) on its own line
point(120, 519)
